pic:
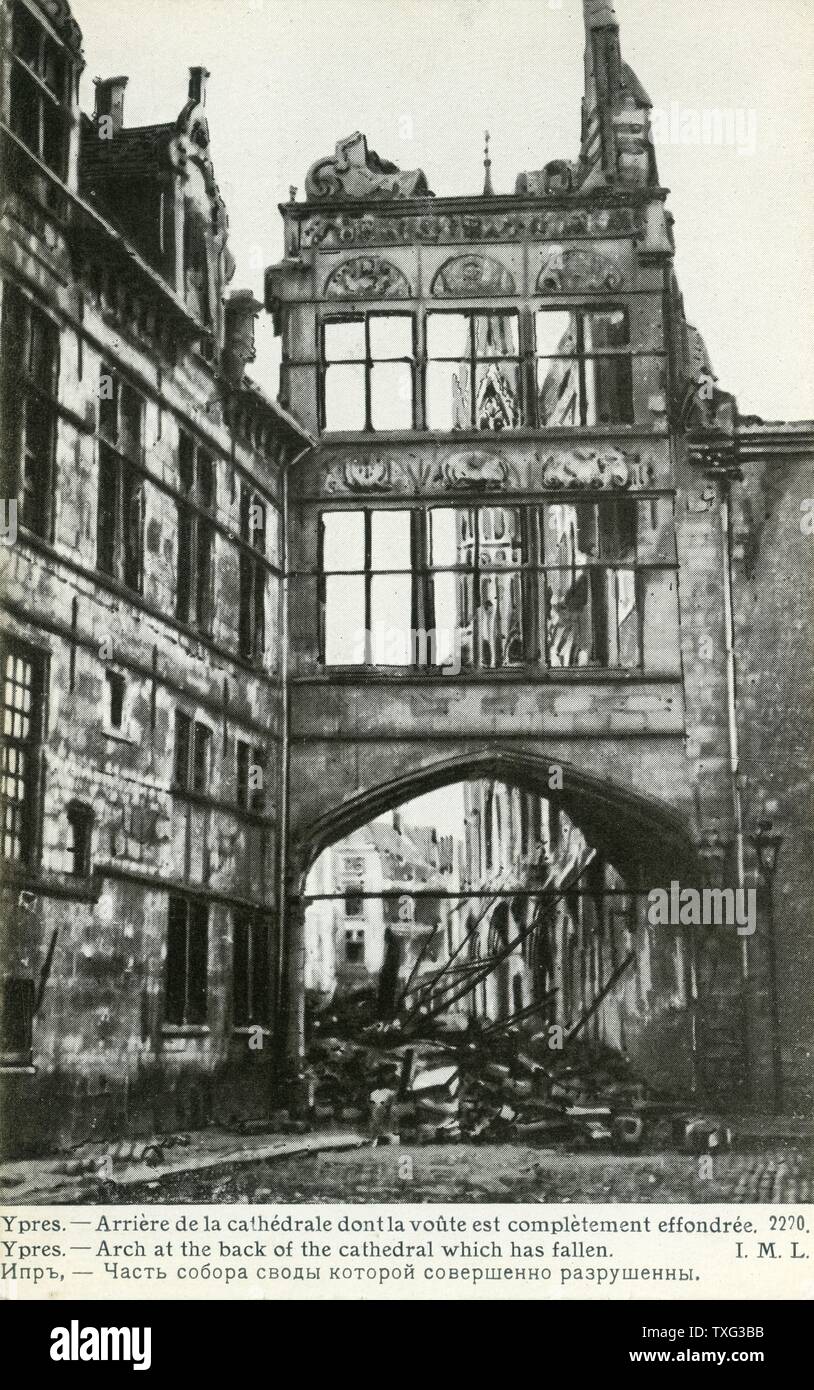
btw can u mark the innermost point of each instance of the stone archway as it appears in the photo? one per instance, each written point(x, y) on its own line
point(646, 838)
point(631, 820)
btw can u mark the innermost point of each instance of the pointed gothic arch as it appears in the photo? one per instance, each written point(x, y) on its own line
point(630, 826)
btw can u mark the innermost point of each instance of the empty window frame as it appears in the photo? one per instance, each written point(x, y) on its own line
point(115, 689)
point(196, 535)
point(78, 840)
point(355, 946)
point(250, 968)
point(40, 99)
point(564, 585)
point(250, 778)
point(584, 371)
point(17, 1022)
point(201, 758)
point(610, 591)
point(253, 565)
point(366, 563)
point(473, 371)
point(473, 585)
point(187, 961)
point(30, 379)
point(121, 498)
point(368, 372)
point(193, 755)
point(354, 901)
point(23, 685)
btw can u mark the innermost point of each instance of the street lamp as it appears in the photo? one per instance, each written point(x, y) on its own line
point(767, 842)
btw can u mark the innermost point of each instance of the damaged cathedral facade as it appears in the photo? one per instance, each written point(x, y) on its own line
point(501, 527)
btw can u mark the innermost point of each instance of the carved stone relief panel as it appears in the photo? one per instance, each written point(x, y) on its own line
point(464, 276)
point(577, 269)
point(366, 277)
point(334, 229)
point(595, 467)
point(471, 469)
point(528, 469)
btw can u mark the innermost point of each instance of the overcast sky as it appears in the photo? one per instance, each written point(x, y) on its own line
point(424, 78)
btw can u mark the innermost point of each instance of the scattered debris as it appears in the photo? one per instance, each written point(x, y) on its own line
point(456, 1084)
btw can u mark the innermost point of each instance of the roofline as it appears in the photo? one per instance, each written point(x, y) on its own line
point(607, 195)
point(259, 397)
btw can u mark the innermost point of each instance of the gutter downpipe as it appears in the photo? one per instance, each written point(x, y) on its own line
point(734, 765)
point(284, 1001)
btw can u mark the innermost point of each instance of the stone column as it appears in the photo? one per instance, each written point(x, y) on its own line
point(296, 1080)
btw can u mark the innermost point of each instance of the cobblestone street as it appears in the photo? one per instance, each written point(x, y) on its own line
point(497, 1173)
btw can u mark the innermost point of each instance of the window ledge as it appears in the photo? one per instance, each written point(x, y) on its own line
point(17, 1069)
point(214, 803)
point(386, 675)
point(116, 736)
point(185, 1030)
point(50, 885)
point(525, 432)
point(244, 1029)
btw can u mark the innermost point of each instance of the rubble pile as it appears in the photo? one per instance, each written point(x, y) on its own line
point(509, 1087)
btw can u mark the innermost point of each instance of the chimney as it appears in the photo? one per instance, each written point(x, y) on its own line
point(241, 310)
point(197, 85)
point(110, 102)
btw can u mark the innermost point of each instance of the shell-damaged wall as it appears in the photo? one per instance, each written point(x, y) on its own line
point(657, 732)
point(92, 949)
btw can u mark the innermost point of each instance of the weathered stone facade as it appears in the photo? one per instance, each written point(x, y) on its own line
point(649, 747)
point(179, 745)
point(132, 623)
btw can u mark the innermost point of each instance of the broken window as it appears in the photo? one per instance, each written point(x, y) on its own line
point(592, 599)
point(77, 850)
point(17, 1022)
point(252, 617)
point(250, 968)
point(368, 372)
point(474, 587)
point(183, 747)
point(355, 901)
point(193, 754)
point(355, 945)
point(23, 685)
point(473, 371)
point(569, 584)
point(251, 777)
point(201, 758)
point(120, 513)
point(584, 372)
point(186, 966)
point(30, 377)
point(196, 535)
point(366, 588)
point(197, 258)
point(115, 688)
point(40, 91)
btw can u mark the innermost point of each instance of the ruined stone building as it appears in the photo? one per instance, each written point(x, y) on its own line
point(367, 933)
point(502, 526)
point(140, 644)
point(534, 545)
point(556, 919)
